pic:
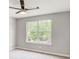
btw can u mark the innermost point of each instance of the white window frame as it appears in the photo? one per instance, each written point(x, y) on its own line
point(38, 35)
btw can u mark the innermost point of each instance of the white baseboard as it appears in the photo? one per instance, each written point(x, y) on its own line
point(57, 54)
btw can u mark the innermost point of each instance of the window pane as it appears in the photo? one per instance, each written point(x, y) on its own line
point(44, 30)
point(39, 31)
point(31, 29)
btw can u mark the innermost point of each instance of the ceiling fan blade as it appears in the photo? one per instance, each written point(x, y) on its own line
point(18, 12)
point(15, 8)
point(32, 8)
point(22, 4)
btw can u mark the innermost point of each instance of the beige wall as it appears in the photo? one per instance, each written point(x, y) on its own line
point(60, 38)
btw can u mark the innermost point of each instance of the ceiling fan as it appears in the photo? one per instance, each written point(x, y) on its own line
point(22, 9)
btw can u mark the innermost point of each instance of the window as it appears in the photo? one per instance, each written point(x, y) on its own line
point(39, 32)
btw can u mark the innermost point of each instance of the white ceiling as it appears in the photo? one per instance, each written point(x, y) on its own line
point(46, 7)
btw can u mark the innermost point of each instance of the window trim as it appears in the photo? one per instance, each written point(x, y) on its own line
point(38, 37)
